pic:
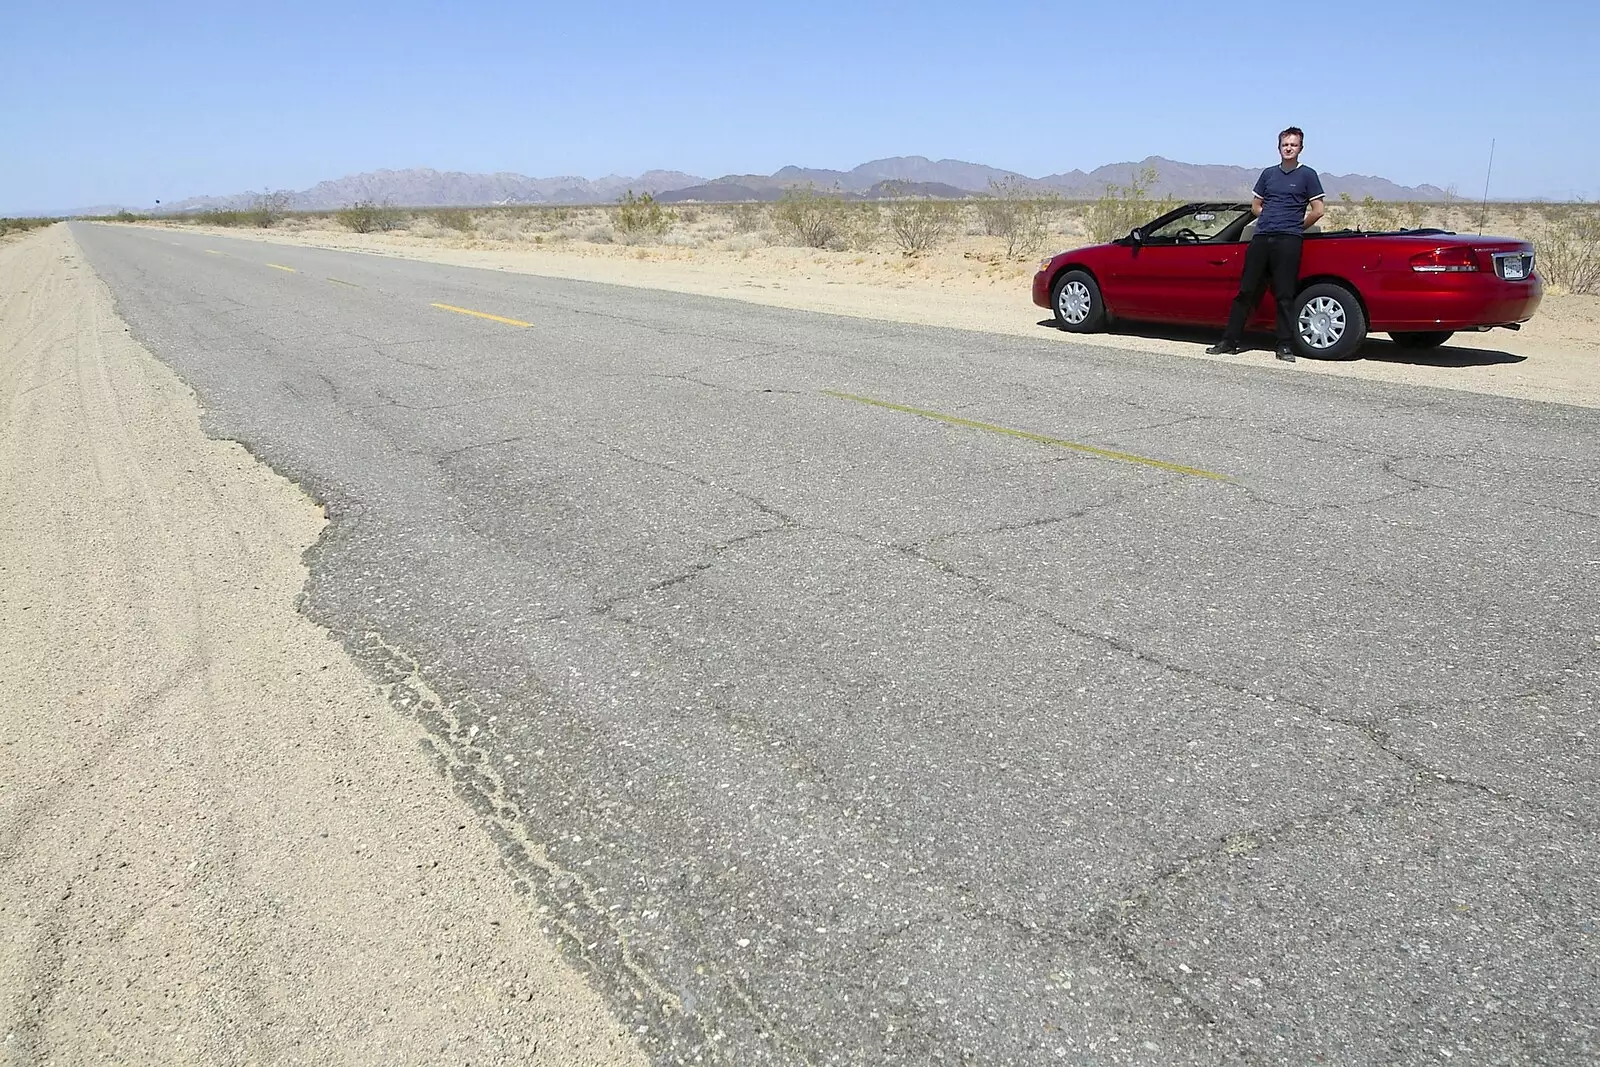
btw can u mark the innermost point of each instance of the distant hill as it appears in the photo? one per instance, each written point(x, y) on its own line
point(1198, 181)
point(746, 187)
point(424, 187)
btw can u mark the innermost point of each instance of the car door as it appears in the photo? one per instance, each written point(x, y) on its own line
point(1185, 283)
point(1186, 269)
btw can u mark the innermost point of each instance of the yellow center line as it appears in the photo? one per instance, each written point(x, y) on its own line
point(212, 252)
point(482, 315)
point(1103, 453)
point(280, 266)
point(341, 281)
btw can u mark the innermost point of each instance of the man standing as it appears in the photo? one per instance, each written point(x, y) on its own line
point(1288, 201)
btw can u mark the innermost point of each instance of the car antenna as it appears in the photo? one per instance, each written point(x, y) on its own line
point(1483, 215)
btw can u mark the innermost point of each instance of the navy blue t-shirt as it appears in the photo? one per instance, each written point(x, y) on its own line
point(1285, 195)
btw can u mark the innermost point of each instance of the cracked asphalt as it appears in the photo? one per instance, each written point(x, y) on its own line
point(831, 734)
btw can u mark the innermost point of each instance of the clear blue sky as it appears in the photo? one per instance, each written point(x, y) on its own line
point(105, 102)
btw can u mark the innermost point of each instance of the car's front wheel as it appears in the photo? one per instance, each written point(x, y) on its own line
point(1427, 339)
point(1328, 322)
point(1077, 302)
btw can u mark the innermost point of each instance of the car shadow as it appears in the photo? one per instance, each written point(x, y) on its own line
point(1446, 355)
point(1379, 349)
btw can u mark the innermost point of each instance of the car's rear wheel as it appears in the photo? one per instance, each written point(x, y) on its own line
point(1077, 302)
point(1428, 339)
point(1328, 322)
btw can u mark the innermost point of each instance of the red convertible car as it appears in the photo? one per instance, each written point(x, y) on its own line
point(1418, 286)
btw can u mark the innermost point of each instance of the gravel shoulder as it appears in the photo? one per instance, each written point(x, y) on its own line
point(219, 843)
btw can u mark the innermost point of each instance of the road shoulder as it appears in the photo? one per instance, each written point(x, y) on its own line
point(219, 842)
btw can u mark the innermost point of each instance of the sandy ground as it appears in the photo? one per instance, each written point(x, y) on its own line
point(970, 285)
point(219, 844)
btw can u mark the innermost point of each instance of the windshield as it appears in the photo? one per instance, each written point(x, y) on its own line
point(1203, 223)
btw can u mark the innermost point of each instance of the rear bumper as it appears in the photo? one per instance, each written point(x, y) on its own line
point(1427, 302)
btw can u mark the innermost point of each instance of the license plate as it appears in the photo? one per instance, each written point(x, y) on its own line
point(1514, 268)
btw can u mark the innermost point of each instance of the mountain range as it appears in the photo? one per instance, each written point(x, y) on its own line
point(424, 187)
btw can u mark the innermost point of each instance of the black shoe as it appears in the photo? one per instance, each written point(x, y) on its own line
point(1224, 347)
point(1286, 353)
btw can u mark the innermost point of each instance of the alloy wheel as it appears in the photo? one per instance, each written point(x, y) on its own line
point(1074, 302)
point(1322, 322)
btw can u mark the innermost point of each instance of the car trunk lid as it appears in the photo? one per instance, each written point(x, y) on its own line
point(1508, 258)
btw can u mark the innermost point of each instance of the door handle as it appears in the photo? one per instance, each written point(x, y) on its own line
point(1222, 262)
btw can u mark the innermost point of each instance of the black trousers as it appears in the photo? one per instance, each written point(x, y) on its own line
point(1274, 255)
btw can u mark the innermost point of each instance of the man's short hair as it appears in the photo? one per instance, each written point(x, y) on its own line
point(1293, 131)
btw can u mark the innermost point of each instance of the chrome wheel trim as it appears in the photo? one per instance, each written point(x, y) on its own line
point(1074, 302)
point(1322, 322)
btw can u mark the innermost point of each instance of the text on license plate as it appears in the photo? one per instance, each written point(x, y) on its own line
point(1513, 266)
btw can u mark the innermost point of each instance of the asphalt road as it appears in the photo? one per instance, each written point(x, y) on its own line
point(1216, 714)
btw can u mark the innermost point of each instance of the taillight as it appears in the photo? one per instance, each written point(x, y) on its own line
point(1445, 261)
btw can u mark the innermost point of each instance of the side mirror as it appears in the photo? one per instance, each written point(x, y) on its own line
point(1135, 236)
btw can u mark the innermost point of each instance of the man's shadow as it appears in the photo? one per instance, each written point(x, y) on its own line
point(1377, 347)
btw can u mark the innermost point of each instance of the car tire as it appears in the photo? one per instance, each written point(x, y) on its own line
point(1076, 300)
point(1428, 339)
point(1328, 322)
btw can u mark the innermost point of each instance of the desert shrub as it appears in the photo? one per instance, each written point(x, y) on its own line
point(1448, 208)
point(222, 217)
point(920, 225)
point(689, 215)
point(1379, 214)
point(748, 242)
point(640, 216)
point(599, 235)
point(359, 217)
point(1369, 213)
point(547, 219)
point(391, 218)
point(268, 209)
point(1014, 216)
point(716, 228)
point(1122, 207)
point(994, 214)
point(1342, 213)
point(1067, 220)
point(862, 227)
point(809, 217)
point(1566, 244)
point(501, 229)
point(453, 218)
point(748, 218)
point(22, 225)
